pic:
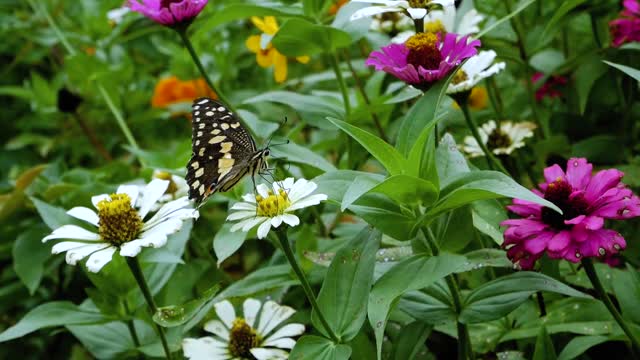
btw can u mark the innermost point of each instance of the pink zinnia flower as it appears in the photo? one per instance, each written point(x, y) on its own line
point(626, 28)
point(424, 58)
point(550, 88)
point(169, 12)
point(586, 201)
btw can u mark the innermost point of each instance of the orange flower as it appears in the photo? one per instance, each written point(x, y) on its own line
point(336, 6)
point(90, 51)
point(172, 90)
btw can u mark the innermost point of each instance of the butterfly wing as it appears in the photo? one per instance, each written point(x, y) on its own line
point(222, 150)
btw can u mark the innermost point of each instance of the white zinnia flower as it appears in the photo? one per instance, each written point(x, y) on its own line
point(502, 141)
point(412, 7)
point(120, 225)
point(116, 15)
point(273, 207)
point(177, 188)
point(445, 21)
point(239, 338)
point(477, 68)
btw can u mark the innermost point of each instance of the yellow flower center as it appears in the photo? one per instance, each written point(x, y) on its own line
point(242, 339)
point(459, 77)
point(435, 27)
point(419, 3)
point(423, 51)
point(163, 175)
point(119, 221)
point(273, 205)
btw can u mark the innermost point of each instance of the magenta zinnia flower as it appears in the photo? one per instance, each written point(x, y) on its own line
point(551, 87)
point(626, 28)
point(424, 58)
point(169, 12)
point(586, 201)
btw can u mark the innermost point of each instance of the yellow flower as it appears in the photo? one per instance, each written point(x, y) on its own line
point(266, 54)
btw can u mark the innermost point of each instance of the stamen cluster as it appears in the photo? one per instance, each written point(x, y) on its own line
point(119, 221)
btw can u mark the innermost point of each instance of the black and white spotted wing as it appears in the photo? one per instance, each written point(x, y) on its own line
point(223, 151)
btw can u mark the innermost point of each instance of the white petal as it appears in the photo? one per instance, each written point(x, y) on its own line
point(84, 213)
point(308, 201)
point(152, 192)
point(301, 189)
point(276, 221)
point(179, 208)
point(66, 245)
point(269, 354)
point(250, 309)
point(155, 239)
point(290, 219)
point(385, 2)
point(99, 259)
point(247, 224)
point(72, 232)
point(225, 312)
point(96, 199)
point(273, 315)
point(469, 23)
point(263, 230)
point(250, 198)
point(402, 37)
point(417, 13)
point(217, 327)
point(241, 215)
point(373, 10)
point(132, 190)
point(168, 226)
point(443, 2)
point(286, 331)
point(79, 253)
point(204, 349)
point(244, 206)
point(283, 343)
point(263, 190)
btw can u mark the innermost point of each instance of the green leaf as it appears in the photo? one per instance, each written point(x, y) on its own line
point(335, 184)
point(345, 290)
point(432, 305)
point(466, 188)
point(423, 155)
point(319, 348)
point(389, 157)
point(410, 341)
point(421, 114)
point(634, 73)
point(403, 189)
point(561, 12)
point(449, 160)
point(356, 29)
point(626, 285)
point(385, 215)
point(299, 37)
point(53, 216)
point(29, 256)
point(487, 216)
point(499, 297)
point(488, 28)
point(578, 345)
point(601, 148)
point(174, 315)
point(57, 313)
point(302, 155)
point(454, 230)
point(226, 243)
point(544, 346)
point(422, 270)
point(242, 11)
point(586, 75)
point(111, 340)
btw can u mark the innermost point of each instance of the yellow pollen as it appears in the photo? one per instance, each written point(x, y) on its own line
point(119, 221)
point(273, 205)
point(435, 27)
point(243, 338)
point(459, 77)
point(419, 3)
point(163, 175)
point(422, 41)
point(423, 51)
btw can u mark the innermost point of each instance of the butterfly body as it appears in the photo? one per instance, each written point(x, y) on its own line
point(223, 151)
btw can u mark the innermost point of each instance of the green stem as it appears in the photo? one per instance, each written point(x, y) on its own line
point(465, 350)
point(471, 124)
point(594, 29)
point(203, 72)
point(288, 252)
point(136, 270)
point(604, 297)
point(333, 58)
point(495, 98)
point(130, 325)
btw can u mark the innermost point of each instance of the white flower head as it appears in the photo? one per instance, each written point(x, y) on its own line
point(120, 225)
point(116, 15)
point(249, 336)
point(474, 70)
point(177, 188)
point(445, 21)
point(417, 9)
point(502, 141)
point(273, 207)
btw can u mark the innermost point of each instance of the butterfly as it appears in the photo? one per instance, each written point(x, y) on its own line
point(223, 151)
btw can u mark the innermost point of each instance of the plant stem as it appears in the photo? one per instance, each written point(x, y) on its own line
point(594, 29)
point(604, 297)
point(541, 305)
point(465, 350)
point(288, 252)
point(491, 162)
point(91, 136)
point(194, 56)
point(136, 270)
point(333, 58)
point(131, 326)
point(365, 97)
point(495, 98)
